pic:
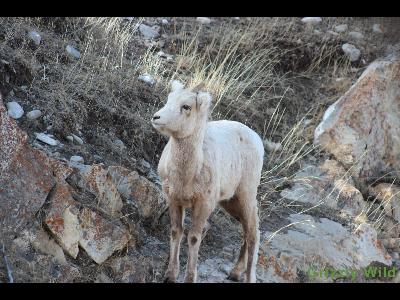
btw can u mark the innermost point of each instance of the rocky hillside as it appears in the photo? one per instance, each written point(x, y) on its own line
point(80, 198)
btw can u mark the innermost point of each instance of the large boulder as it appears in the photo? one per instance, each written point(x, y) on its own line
point(318, 244)
point(362, 128)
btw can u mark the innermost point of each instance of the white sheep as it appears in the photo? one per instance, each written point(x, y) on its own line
point(205, 163)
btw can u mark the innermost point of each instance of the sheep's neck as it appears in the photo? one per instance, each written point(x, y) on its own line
point(188, 156)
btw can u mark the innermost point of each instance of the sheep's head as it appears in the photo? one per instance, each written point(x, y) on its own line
point(184, 110)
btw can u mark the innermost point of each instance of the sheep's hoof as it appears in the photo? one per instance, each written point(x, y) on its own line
point(234, 277)
point(169, 280)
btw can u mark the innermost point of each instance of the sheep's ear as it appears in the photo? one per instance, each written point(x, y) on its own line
point(198, 87)
point(176, 85)
point(203, 100)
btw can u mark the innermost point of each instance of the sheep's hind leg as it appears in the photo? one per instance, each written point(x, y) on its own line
point(232, 206)
point(253, 241)
point(201, 212)
point(177, 216)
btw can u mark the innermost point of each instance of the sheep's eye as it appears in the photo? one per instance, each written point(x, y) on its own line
point(186, 107)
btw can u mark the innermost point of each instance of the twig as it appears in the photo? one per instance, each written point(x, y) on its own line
point(9, 272)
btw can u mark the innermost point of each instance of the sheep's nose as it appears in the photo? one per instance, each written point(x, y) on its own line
point(156, 117)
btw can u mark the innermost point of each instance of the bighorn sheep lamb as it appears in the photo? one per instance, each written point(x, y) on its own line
point(205, 163)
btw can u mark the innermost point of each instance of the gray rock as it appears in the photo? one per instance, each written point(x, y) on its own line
point(15, 110)
point(317, 243)
point(46, 139)
point(311, 20)
point(341, 28)
point(164, 22)
point(145, 164)
point(356, 35)
point(77, 139)
point(149, 32)
point(120, 144)
point(70, 138)
point(351, 51)
point(73, 52)
point(147, 78)
point(35, 37)
point(34, 114)
point(77, 159)
point(377, 28)
point(203, 20)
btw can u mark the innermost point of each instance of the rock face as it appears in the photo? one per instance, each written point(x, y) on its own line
point(25, 180)
point(99, 237)
point(145, 195)
point(317, 243)
point(329, 185)
point(98, 181)
point(28, 179)
point(362, 128)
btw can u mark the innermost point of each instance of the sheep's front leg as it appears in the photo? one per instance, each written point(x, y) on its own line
point(176, 215)
point(200, 215)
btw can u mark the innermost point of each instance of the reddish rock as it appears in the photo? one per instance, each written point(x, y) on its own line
point(97, 180)
point(25, 179)
point(363, 127)
point(146, 195)
point(100, 238)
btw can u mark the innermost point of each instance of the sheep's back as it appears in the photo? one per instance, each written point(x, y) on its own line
point(234, 150)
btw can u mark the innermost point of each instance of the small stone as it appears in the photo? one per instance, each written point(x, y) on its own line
point(316, 31)
point(34, 114)
point(147, 78)
point(35, 37)
point(128, 18)
point(377, 28)
point(77, 139)
point(311, 20)
point(164, 55)
point(351, 51)
point(119, 143)
point(149, 32)
point(97, 158)
point(15, 110)
point(46, 139)
point(73, 52)
point(307, 121)
point(145, 164)
point(70, 138)
point(203, 20)
point(236, 18)
point(77, 159)
point(271, 146)
point(164, 22)
point(341, 28)
point(355, 35)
